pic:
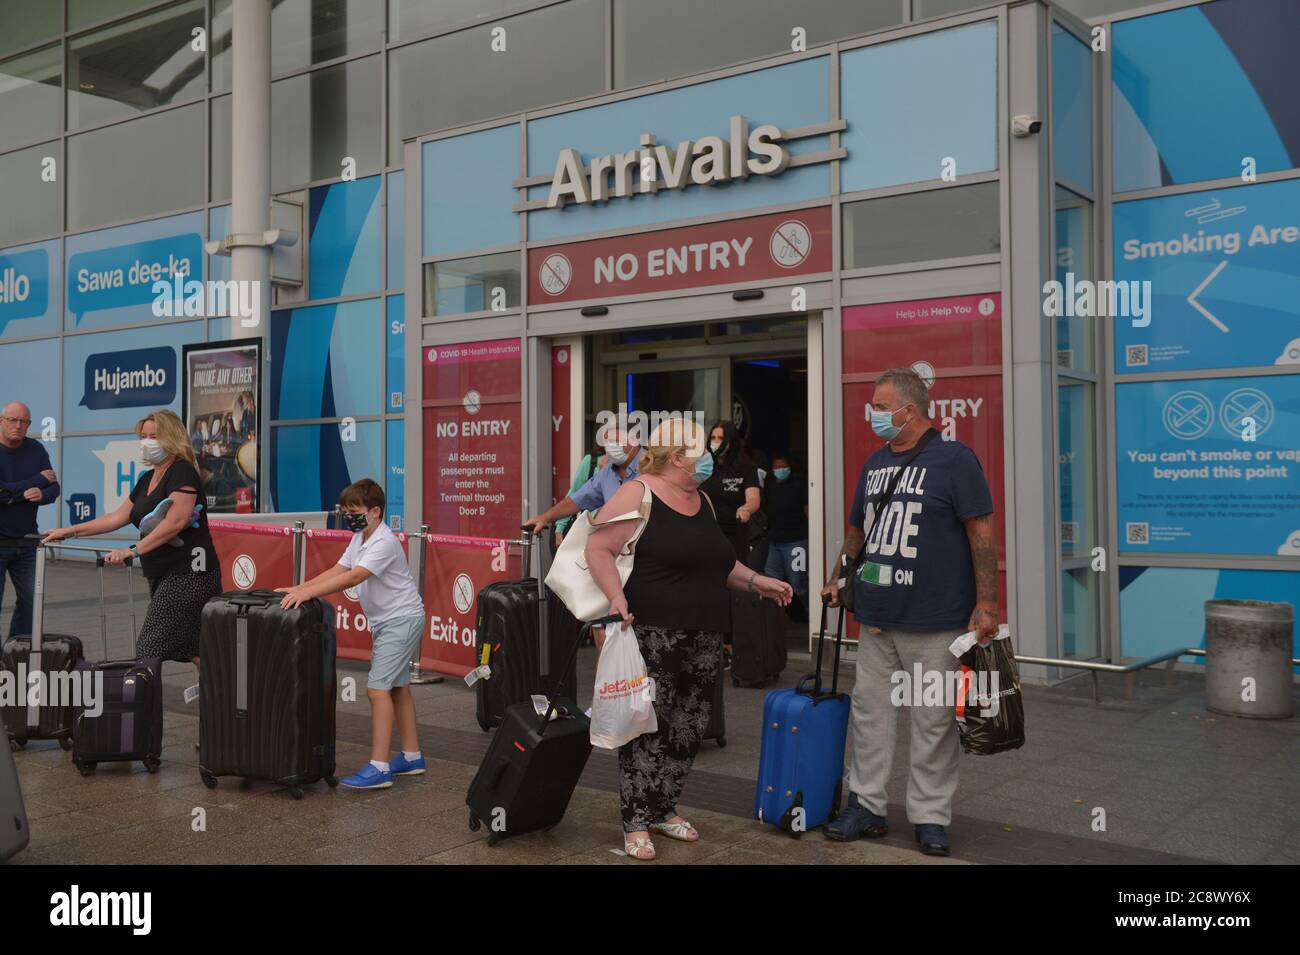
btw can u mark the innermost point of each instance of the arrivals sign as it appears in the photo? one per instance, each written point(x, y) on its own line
point(757, 249)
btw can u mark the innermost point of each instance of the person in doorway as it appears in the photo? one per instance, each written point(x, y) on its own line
point(787, 508)
point(678, 593)
point(375, 564)
point(732, 487)
point(591, 462)
point(26, 482)
point(623, 456)
point(175, 548)
point(929, 574)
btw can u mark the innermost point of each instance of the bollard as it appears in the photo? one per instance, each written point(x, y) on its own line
point(299, 565)
point(1248, 654)
point(419, 675)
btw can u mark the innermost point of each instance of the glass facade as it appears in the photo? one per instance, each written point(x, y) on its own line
point(117, 131)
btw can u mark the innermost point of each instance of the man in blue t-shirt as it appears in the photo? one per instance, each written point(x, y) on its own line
point(26, 482)
point(929, 574)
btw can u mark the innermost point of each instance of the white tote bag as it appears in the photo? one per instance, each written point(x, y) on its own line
point(622, 703)
point(569, 577)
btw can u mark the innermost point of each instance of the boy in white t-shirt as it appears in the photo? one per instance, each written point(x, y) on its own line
point(375, 564)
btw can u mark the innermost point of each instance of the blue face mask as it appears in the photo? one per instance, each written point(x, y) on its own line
point(882, 423)
point(782, 474)
point(703, 468)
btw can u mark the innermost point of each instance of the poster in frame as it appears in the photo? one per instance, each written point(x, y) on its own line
point(221, 408)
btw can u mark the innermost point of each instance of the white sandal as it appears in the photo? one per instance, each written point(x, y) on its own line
point(638, 846)
point(682, 831)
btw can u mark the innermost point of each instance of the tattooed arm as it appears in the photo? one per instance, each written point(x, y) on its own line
point(984, 555)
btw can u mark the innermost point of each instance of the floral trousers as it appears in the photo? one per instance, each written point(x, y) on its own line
point(685, 665)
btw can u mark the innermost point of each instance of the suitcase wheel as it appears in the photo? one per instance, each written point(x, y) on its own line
point(85, 766)
point(722, 741)
point(65, 742)
point(735, 682)
point(295, 792)
point(151, 763)
point(474, 823)
point(332, 782)
point(208, 779)
point(493, 838)
point(16, 744)
point(485, 726)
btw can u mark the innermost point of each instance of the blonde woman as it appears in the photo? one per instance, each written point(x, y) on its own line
point(677, 595)
point(175, 549)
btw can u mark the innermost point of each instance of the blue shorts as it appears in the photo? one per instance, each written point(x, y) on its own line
point(395, 641)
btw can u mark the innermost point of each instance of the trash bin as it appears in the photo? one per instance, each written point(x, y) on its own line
point(1249, 638)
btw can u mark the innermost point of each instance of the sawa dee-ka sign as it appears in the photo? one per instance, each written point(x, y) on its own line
point(756, 249)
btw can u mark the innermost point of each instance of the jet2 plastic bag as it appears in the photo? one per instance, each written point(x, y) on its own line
point(990, 704)
point(622, 704)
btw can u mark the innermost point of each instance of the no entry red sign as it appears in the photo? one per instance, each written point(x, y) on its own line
point(760, 248)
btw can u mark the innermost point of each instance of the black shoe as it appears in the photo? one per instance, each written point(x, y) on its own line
point(933, 839)
point(856, 822)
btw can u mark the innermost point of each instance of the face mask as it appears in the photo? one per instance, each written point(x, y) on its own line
point(616, 453)
point(151, 452)
point(715, 446)
point(882, 422)
point(782, 474)
point(703, 468)
point(355, 522)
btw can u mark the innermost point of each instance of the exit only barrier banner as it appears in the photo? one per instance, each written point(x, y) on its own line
point(455, 570)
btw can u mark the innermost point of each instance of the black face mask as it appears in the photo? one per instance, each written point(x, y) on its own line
point(354, 522)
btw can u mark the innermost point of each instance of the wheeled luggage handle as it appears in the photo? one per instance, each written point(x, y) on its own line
point(260, 597)
point(573, 656)
point(103, 606)
point(821, 643)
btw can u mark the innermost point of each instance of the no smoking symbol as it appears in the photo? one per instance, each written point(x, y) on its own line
point(1246, 403)
point(243, 571)
point(462, 593)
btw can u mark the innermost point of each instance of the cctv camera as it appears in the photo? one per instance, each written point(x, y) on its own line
point(1024, 125)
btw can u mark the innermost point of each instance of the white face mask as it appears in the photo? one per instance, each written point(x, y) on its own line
point(151, 452)
point(616, 453)
point(715, 445)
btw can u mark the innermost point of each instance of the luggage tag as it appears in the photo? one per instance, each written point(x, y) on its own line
point(879, 575)
point(483, 672)
point(191, 693)
point(541, 704)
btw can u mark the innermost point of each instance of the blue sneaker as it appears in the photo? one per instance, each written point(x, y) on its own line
point(401, 766)
point(854, 822)
point(368, 777)
point(933, 839)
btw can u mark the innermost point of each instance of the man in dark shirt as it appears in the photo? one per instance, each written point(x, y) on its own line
point(787, 508)
point(929, 574)
point(26, 482)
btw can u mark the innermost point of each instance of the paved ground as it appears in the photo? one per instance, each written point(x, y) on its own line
point(1177, 785)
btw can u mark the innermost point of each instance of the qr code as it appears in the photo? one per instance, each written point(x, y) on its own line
point(1135, 355)
point(1065, 357)
point(1137, 533)
point(1069, 532)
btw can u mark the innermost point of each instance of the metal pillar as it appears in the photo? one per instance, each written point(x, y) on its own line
point(250, 159)
point(421, 542)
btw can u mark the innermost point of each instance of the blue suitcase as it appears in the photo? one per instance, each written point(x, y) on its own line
point(801, 763)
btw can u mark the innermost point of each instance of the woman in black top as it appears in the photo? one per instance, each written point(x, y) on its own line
point(677, 590)
point(175, 548)
point(732, 487)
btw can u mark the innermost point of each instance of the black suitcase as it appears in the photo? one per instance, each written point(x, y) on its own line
point(522, 633)
point(758, 640)
point(14, 833)
point(532, 765)
point(50, 653)
point(266, 690)
point(129, 722)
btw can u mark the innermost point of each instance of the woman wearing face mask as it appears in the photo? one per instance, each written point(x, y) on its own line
point(175, 548)
point(677, 591)
point(733, 486)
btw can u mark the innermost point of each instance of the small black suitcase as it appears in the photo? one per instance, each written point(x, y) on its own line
point(532, 765)
point(52, 654)
point(14, 833)
point(759, 650)
point(267, 690)
point(127, 724)
point(525, 630)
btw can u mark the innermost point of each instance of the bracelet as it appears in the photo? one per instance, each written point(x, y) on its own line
point(750, 585)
